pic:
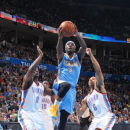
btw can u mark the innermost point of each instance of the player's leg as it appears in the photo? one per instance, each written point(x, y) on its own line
point(94, 123)
point(25, 121)
point(47, 122)
point(63, 119)
point(106, 122)
point(63, 88)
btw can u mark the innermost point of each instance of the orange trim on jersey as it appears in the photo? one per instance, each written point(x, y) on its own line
point(108, 123)
point(68, 55)
point(39, 84)
point(105, 103)
point(91, 93)
point(100, 92)
point(22, 119)
point(28, 88)
point(24, 99)
point(99, 128)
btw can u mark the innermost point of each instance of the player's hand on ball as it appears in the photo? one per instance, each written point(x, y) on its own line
point(76, 30)
point(39, 51)
point(60, 32)
point(88, 51)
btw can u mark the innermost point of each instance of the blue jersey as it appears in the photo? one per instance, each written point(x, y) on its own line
point(69, 69)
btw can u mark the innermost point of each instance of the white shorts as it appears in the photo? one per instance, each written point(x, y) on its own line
point(30, 120)
point(47, 121)
point(105, 122)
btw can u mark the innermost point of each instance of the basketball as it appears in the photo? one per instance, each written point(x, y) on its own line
point(68, 28)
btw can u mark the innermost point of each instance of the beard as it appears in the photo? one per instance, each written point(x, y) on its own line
point(35, 77)
point(70, 52)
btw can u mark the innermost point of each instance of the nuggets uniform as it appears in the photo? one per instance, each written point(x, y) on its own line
point(28, 115)
point(99, 105)
point(68, 71)
point(44, 111)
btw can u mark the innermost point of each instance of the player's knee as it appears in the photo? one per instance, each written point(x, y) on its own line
point(67, 86)
point(63, 89)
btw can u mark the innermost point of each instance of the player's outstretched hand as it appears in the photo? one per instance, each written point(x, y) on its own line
point(76, 30)
point(88, 51)
point(39, 51)
point(60, 34)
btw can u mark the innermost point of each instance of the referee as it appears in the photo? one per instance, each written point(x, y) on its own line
point(84, 119)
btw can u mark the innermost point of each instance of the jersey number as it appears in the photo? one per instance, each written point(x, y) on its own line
point(37, 99)
point(44, 106)
point(94, 107)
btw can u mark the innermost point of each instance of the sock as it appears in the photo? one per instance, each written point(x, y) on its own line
point(57, 102)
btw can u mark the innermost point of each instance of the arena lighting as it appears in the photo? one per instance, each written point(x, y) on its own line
point(54, 30)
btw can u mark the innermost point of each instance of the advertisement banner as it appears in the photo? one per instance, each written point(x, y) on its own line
point(54, 30)
point(28, 63)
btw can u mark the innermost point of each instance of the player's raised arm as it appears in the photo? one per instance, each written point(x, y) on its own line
point(98, 72)
point(27, 81)
point(59, 47)
point(82, 43)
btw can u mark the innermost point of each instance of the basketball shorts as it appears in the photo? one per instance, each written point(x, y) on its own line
point(47, 121)
point(84, 122)
point(69, 99)
point(30, 120)
point(105, 122)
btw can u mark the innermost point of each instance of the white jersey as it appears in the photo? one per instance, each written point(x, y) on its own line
point(98, 103)
point(86, 113)
point(32, 97)
point(45, 105)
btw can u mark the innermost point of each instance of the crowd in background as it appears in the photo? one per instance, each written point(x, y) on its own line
point(111, 64)
point(89, 19)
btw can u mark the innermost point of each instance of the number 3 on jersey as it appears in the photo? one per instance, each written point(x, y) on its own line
point(94, 107)
point(37, 99)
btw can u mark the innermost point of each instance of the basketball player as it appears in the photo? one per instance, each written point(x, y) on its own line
point(45, 107)
point(68, 74)
point(97, 100)
point(32, 93)
point(83, 119)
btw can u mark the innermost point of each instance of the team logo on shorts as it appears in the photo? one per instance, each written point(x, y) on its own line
point(70, 70)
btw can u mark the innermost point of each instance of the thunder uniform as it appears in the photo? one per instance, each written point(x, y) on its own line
point(28, 115)
point(99, 105)
point(68, 71)
point(44, 112)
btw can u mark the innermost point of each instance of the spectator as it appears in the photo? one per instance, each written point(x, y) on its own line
point(3, 109)
point(8, 114)
point(12, 119)
point(14, 113)
point(2, 126)
point(14, 106)
point(5, 119)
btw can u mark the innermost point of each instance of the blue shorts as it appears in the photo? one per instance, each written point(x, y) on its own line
point(68, 101)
